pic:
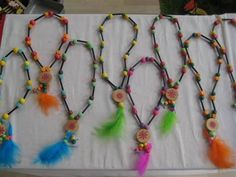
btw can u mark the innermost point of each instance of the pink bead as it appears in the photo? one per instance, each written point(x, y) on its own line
point(32, 22)
point(163, 74)
point(130, 72)
point(128, 89)
point(151, 59)
point(163, 91)
point(155, 111)
point(143, 60)
point(163, 63)
point(134, 110)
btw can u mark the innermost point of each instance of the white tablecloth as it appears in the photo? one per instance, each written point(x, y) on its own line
point(182, 151)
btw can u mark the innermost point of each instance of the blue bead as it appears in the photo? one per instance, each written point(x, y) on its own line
point(29, 87)
point(63, 93)
point(61, 76)
point(18, 105)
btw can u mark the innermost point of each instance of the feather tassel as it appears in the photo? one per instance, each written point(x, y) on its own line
point(47, 102)
point(114, 127)
point(9, 151)
point(53, 154)
point(168, 122)
point(143, 160)
point(220, 154)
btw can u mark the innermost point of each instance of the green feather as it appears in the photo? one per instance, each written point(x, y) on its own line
point(114, 127)
point(168, 122)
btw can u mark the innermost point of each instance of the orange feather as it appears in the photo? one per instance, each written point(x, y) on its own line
point(220, 154)
point(47, 102)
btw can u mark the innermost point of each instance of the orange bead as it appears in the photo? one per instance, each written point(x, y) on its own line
point(201, 93)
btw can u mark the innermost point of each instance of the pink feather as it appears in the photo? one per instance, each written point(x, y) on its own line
point(142, 161)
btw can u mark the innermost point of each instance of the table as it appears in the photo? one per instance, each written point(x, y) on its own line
point(184, 151)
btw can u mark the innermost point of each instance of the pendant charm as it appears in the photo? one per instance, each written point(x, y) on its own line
point(45, 77)
point(212, 124)
point(2, 130)
point(119, 95)
point(72, 125)
point(143, 135)
point(171, 94)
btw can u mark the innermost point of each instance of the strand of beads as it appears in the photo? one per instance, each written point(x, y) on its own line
point(53, 154)
point(214, 37)
point(114, 127)
point(9, 151)
point(143, 135)
point(71, 126)
point(171, 91)
point(45, 100)
point(219, 153)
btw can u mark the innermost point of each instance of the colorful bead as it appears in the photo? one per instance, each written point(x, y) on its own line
point(143, 60)
point(90, 102)
point(64, 20)
point(214, 44)
point(125, 16)
point(134, 42)
point(104, 75)
point(134, 109)
point(184, 69)
point(219, 61)
point(101, 28)
point(58, 55)
point(15, 50)
point(34, 55)
point(130, 72)
point(233, 22)
point(217, 77)
point(136, 27)
point(186, 43)
point(1, 81)
point(101, 59)
point(5, 116)
point(183, 52)
point(95, 66)
point(125, 73)
point(223, 50)
point(110, 16)
point(102, 44)
point(197, 77)
point(64, 57)
point(128, 89)
point(29, 82)
point(88, 45)
point(180, 34)
point(197, 35)
point(2, 63)
point(155, 46)
point(214, 35)
point(65, 37)
point(156, 111)
point(126, 56)
point(28, 40)
point(229, 68)
point(32, 22)
point(22, 101)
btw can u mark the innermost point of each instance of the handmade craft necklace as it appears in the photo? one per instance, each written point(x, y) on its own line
point(171, 92)
point(52, 154)
point(223, 50)
point(219, 153)
point(9, 150)
point(143, 135)
point(45, 100)
point(115, 126)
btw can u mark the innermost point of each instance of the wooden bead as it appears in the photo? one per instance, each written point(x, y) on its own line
point(212, 124)
point(72, 125)
point(171, 94)
point(119, 95)
point(143, 136)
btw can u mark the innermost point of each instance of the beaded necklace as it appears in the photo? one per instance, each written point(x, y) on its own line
point(143, 135)
point(171, 92)
point(219, 153)
point(9, 150)
point(52, 154)
point(45, 100)
point(229, 67)
point(115, 126)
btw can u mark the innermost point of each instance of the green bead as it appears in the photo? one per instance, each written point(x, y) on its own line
point(71, 117)
point(212, 134)
point(64, 57)
point(95, 66)
point(156, 18)
point(93, 84)
point(90, 102)
point(80, 114)
point(88, 45)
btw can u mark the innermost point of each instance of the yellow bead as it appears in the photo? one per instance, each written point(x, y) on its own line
point(104, 75)
point(102, 43)
point(110, 16)
point(101, 59)
point(136, 27)
point(2, 63)
point(22, 101)
point(125, 16)
point(16, 50)
point(134, 42)
point(126, 57)
point(141, 145)
point(101, 28)
point(27, 63)
point(5, 116)
point(29, 82)
point(1, 81)
point(121, 104)
point(125, 73)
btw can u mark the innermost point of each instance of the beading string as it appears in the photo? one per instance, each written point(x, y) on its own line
point(143, 135)
point(229, 68)
point(45, 100)
point(219, 153)
point(72, 124)
point(9, 150)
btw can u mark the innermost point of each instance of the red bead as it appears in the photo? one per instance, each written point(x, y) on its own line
point(170, 81)
point(50, 13)
point(152, 27)
point(134, 110)
point(58, 55)
point(65, 38)
point(28, 40)
point(163, 63)
point(184, 70)
point(163, 92)
point(155, 45)
point(151, 59)
point(161, 16)
point(64, 21)
point(143, 60)
point(128, 89)
point(180, 35)
point(32, 22)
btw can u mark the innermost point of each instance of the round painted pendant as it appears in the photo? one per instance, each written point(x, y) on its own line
point(143, 136)
point(72, 125)
point(119, 95)
point(171, 94)
point(45, 77)
point(2, 130)
point(212, 124)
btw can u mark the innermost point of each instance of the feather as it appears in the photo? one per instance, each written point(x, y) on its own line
point(114, 127)
point(143, 160)
point(53, 154)
point(9, 151)
point(220, 154)
point(168, 122)
point(47, 101)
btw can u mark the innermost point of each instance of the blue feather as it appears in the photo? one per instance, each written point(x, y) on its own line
point(9, 151)
point(53, 154)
